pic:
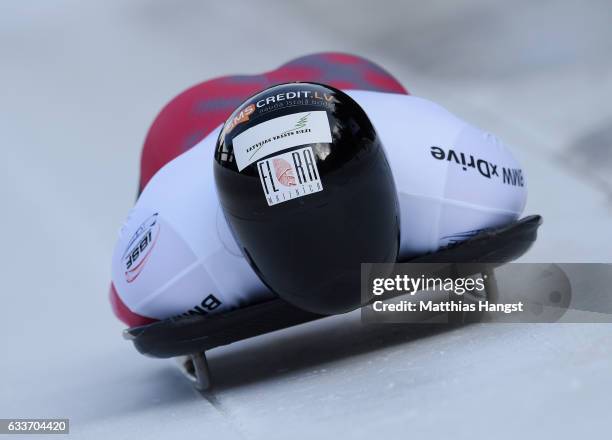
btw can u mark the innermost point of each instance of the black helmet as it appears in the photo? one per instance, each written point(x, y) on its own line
point(306, 188)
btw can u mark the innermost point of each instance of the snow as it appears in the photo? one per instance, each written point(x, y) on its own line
point(80, 84)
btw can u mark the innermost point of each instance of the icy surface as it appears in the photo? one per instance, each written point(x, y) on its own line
point(80, 83)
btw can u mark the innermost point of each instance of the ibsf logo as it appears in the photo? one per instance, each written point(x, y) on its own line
point(289, 176)
point(139, 248)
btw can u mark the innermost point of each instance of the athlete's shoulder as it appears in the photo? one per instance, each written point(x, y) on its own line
point(196, 112)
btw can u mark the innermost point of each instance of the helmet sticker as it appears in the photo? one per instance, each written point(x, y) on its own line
point(289, 176)
point(242, 116)
point(280, 134)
